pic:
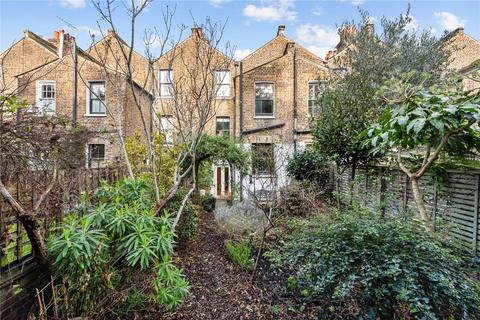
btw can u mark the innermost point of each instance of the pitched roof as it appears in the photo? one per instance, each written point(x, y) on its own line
point(51, 47)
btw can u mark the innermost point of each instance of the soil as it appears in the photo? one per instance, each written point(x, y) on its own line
point(218, 288)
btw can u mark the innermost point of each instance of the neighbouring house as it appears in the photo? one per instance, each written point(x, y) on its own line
point(465, 56)
point(464, 50)
point(68, 82)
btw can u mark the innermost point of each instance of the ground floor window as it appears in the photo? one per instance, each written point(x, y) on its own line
point(263, 159)
point(95, 155)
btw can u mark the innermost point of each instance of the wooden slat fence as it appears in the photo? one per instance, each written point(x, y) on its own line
point(452, 197)
point(19, 274)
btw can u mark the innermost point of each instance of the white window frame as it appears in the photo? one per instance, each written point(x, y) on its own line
point(319, 83)
point(40, 108)
point(255, 116)
point(160, 83)
point(225, 82)
point(88, 95)
point(100, 163)
point(167, 131)
point(222, 119)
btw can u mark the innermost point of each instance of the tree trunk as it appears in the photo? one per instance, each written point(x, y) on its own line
point(259, 254)
point(32, 227)
point(352, 180)
point(39, 247)
point(417, 196)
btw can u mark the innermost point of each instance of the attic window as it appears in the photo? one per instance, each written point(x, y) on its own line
point(166, 83)
point(222, 83)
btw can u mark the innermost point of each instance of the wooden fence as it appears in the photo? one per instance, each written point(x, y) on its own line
point(19, 274)
point(451, 197)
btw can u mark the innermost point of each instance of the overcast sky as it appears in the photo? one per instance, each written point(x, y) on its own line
point(250, 23)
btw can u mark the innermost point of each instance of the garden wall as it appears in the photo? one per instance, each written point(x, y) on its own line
point(451, 196)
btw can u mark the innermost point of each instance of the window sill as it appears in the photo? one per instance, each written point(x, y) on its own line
point(94, 115)
point(263, 117)
point(165, 97)
point(224, 98)
point(264, 175)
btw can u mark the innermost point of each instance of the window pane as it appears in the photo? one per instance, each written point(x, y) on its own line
point(264, 91)
point(223, 90)
point(264, 107)
point(166, 90)
point(263, 159)
point(48, 91)
point(98, 91)
point(97, 106)
point(97, 151)
point(312, 91)
point(166, 127)
point(223, 125)
point(166, 76)
point(222, 77)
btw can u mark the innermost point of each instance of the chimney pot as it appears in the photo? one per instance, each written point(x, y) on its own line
point(281, 31)
point(197, 31)
point(370, 28)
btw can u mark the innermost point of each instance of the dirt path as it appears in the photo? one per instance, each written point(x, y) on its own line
point(218, 289)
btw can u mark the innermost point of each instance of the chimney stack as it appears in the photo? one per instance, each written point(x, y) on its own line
point(346, 35)
point(281, 31)
point(370, 29)
point(197, 31)
point(64, 42)
point(330, 54)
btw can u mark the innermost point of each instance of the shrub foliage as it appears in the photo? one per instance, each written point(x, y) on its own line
point(96, 253)
point(240, 254)
point(385, 269)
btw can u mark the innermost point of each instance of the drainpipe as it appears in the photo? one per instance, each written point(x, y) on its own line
point(235, 99)
point(241, 101)
point(295, 105)
point(75, 80)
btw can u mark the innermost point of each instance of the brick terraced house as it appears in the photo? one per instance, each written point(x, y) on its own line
point(56, 77)
point(266, 100)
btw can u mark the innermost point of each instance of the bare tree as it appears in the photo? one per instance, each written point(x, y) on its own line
point(193, 90)
point(269, 163)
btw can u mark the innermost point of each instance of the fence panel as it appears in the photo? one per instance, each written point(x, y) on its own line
point(19, 274)
point(452, 197)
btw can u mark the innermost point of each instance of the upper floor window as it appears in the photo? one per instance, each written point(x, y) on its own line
point(223, 125)
point(314, 89)
point(166, 83)
point(166, 127)
point(95, 155)
point(264, 99)
point(222, 83)
point(96, 98)
point(263, 159)
point(45, 96)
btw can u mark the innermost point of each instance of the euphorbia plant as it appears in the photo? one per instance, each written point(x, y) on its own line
point(424, 123)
